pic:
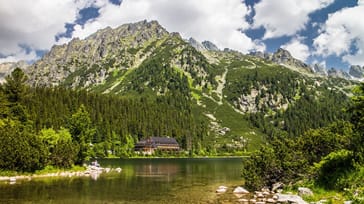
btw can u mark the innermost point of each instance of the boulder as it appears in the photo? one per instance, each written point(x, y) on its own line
point(277, 186)
point(221, 189)
point(240, 190)
point(302, 191)
point(271, 200)
point(242, 200)
point(287, 198)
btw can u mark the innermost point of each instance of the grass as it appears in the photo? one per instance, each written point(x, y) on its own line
point(52, 169)
point(46, 170)
point(239, 126)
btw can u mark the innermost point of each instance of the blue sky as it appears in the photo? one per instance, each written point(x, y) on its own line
point(328, 32)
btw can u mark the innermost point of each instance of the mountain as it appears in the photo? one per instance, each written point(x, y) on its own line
point(7, 67)
point(204, 46)
point(357, 71)
point(319, 70)
point(240, 97)
point(332, 72)
point(210, 46)
point(283, 57)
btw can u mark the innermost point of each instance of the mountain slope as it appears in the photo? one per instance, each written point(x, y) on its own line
point(243, 98)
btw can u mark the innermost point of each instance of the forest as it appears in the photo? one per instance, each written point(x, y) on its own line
point(329, 158)
point(60, 127)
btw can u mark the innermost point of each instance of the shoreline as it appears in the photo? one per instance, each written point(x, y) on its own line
point(92, 172)
point(196, 157)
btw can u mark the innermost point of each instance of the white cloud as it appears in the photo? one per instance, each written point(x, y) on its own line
point(297, 49)
point(34, 23)
point(20, 55)
point(341, 32)
point(285, 17)
point(214, 20)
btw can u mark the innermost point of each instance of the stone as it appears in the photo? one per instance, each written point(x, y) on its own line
point(277, 186)
point(260, 195)
point(271, 200)
point(287, 198)
point(240, 190)
point(302, 191)
point(221, 189)
point(242, 200)
point(118, 169)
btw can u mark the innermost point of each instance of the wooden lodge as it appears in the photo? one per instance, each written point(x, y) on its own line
point(151, 144)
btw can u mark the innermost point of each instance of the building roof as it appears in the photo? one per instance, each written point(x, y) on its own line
point(163, 140)
point(156, 141)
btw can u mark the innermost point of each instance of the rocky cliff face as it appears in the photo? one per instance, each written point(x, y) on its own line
point(197, 45)
point(357, 71)
point(210, 46)
point(319, 70)
point(282, 56)
point(332, 72)
point(100, 54)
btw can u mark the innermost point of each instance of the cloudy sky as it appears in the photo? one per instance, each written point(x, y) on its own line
point(329, 32)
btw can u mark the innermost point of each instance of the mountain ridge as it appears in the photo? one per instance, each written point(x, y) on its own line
point(245, 94)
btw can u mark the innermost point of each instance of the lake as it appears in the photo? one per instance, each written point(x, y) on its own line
point(144, 181)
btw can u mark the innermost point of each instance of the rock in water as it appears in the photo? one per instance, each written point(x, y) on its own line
point(240, 190)
point(221, 189)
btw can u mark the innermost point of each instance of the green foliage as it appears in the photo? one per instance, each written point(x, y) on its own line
point(62, 151)
point(20, 149)
point(318, 143)
point(82, 131)
point(357, 110)
point(15, 88)
point(4, 106)
point(278, 162)
point(331, 157)
point(332, 168)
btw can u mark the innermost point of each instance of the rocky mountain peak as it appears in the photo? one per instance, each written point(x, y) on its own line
point(197, 45)
point(116, 47)
point(282, 54)
point(210, 46)
point(332, 72)
point(356, 71)
point(284, 57)
point(319, 69)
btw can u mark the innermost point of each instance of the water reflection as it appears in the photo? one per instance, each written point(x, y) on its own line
point(167, 170)
point(140, 181)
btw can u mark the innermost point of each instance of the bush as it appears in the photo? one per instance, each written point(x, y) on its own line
point(20, 149)
point(334, 168)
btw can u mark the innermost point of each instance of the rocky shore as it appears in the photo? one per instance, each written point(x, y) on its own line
point(266, 196)
point(91, 171)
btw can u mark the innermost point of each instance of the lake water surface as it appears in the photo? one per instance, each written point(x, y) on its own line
point(141, 181)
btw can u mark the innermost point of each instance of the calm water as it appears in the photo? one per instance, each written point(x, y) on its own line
point(141, 181)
